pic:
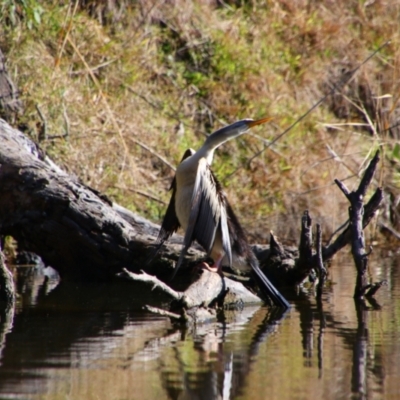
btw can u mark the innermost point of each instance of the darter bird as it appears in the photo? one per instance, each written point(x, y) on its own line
point(199, 205)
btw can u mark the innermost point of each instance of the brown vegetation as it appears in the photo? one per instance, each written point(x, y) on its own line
point(115, 94)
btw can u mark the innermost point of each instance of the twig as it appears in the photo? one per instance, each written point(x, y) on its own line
point(320, 267)
point(368, 175)
point(151, 151)
point(69, 27)
point(151, 280)
point(390, 229)
point(162, 312)
point(102, 65)
point(43, 130)
point(144, 194)
point(66, 120)
point(343, 188)
point(337, 230)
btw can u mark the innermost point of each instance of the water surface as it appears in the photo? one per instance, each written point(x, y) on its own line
point(96, 342)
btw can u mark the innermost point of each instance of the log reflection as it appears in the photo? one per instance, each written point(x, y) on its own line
point(363, 355)
point(312, 321)
point(360, 350)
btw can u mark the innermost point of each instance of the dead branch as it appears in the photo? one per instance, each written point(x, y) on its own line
point(193, 305)
point(153, 281)
point(285, 266)
point(320, 267)
point(344, 238)
point(306, 242)
point(356, 213)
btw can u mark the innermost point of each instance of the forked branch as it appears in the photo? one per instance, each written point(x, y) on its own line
point(356, 217)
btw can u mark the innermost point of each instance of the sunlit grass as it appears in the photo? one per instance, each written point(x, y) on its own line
point(124, 97)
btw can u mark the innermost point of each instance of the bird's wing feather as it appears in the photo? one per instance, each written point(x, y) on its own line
point(213, 214)
point(205, 198)
point(226, 240)
point(207, 214)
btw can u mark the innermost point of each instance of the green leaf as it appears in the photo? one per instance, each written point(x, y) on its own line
point(396, 151)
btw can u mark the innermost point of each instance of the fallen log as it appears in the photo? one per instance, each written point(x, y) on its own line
point(73, 228)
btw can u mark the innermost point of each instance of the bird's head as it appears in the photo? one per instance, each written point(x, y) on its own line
point(236, 129)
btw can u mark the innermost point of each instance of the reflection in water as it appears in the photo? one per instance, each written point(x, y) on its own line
point(206, 366)
point(359, 373)
point(95, 342)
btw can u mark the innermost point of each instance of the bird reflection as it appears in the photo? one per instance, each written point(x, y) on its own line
point(209, 366)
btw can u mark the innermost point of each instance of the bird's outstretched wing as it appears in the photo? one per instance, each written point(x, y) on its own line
point(207, 214)
point(170, 222)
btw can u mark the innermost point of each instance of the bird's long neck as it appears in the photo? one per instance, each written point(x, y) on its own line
point(206, 152)
point(211, 144)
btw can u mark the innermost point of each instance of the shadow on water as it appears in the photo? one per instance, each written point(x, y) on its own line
point(94, 341)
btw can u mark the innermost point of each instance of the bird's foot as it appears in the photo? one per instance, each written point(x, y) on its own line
point(205, 266)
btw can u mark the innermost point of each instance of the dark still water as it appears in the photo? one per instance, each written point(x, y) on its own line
point(94, 342)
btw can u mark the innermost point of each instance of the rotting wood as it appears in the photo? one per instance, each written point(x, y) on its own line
point(320, 268)
point(306, 244)
point(306, 241)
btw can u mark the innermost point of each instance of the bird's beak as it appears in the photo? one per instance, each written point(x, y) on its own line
point(259, 122)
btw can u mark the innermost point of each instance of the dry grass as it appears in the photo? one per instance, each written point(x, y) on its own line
point(132, 95)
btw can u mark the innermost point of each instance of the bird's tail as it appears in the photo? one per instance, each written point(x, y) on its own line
point(268, 288)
